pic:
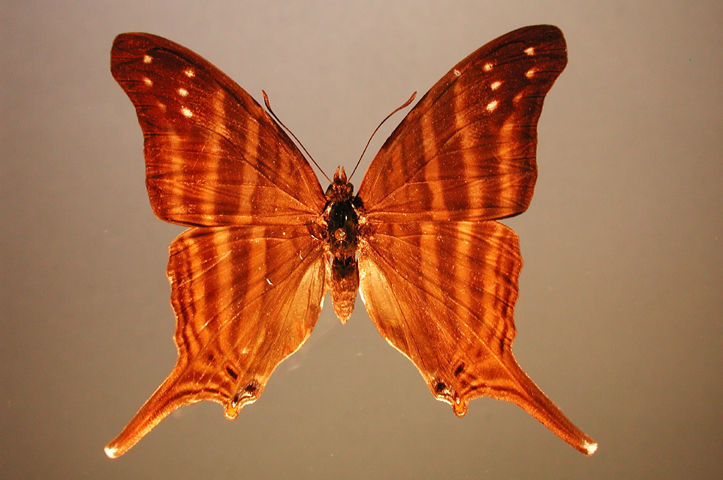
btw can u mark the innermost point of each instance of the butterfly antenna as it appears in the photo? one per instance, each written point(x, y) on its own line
point(268, 106)
point(405, 105)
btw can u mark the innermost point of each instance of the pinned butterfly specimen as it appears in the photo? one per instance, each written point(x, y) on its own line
point(420, 241)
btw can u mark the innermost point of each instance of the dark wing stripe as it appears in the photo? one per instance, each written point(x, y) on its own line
point(443, 294)
point(209, 146)
point(424, 265)
point(244, 301)
point(484, 115)
point(250, 111)
point(258, 300)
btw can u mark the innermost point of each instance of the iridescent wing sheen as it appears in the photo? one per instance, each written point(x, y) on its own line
point(443, 294)
point(466, 151)
point(245, 298)
point(213, 155)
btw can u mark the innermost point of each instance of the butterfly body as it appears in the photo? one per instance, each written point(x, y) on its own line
point(341, 235)
point(420, 240)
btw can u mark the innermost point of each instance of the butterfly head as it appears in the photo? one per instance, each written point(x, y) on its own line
point(340, 189)
point(340, 175)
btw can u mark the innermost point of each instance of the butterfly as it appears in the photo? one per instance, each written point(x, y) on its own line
point(420, 240)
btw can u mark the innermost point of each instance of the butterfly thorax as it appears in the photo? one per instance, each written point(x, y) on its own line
point(340, 222)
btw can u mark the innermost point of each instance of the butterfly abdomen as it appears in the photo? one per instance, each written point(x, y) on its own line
point(341, 235)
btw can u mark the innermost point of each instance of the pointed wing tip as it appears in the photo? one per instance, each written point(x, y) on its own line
point(590, 447)
point(125, 440)
point(112, 451)
point(127, 37)
point(122, 443)
point(547, 30)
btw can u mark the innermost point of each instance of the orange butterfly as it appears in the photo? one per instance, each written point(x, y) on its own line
point(437, 273)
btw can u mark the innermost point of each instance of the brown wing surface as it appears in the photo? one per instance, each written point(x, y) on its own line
point(443, 294)
point(213, 155)
point(245, 298)
point(466, 151)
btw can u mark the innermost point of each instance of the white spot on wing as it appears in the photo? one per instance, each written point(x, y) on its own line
point(183, 92)
point(268, 281)
point(531, 72)
point(530, 51)
point(189, 73)
point(457, 73)
point(491, 106)
point(495, 85)
point(186, 112)
point(147, 59)
point(148, 81)
point(487, 67)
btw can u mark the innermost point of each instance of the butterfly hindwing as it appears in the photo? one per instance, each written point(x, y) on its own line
point(444, 295)
point(213, 155)
point(245, 298)
point(466, 151)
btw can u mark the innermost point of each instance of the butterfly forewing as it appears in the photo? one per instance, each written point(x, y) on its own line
point(466, 151)
point(213, 155)
point(245, 298)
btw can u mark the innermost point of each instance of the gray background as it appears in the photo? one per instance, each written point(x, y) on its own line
point(619, 316)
